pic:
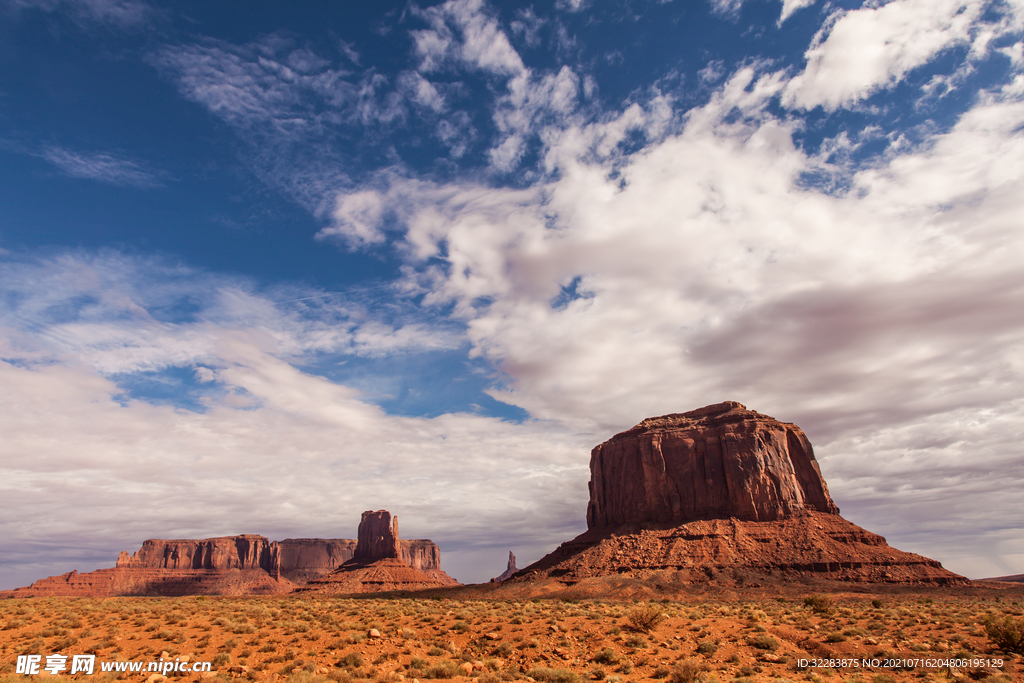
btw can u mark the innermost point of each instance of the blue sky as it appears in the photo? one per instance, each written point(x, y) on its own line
point(263, 269)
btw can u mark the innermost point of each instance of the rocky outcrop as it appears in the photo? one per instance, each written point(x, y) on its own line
point(375, 565)
point(717, 462)
point(715, 493)
point(378, 536)
point(246, 564)
point(245, 551)
point(143, 581)
point(509, 570)
point(305, 559)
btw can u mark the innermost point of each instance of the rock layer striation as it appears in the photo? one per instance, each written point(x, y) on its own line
point(716, 493)
point(718, 462)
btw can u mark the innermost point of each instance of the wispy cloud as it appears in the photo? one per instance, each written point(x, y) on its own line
point(122, 14)
point(103, 167)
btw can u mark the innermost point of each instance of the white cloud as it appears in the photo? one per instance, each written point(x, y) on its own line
point(704, 268)
point(869, 48)
point(102, 167)
point(790, 6)
point(304, 458)
point(465, 32)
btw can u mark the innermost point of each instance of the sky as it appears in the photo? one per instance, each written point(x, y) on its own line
point(264, 267)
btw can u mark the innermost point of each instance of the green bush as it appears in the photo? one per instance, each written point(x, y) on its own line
point(605, 656)
point(1006, 633)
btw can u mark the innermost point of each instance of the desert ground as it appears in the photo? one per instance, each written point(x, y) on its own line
point(708, 636)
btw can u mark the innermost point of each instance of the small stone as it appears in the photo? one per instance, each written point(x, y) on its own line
point(374, 633)
point(156, 678)
point(467, 667)
point(493, 636)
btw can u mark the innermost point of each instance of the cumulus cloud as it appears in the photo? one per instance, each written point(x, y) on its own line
point(875, 46)
point(705, 268)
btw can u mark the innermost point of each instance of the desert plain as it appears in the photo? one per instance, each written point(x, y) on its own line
point(478, 634)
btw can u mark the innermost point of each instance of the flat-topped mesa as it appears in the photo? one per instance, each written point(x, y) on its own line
point(715, 462)
point(378, 536)
point(245, 551)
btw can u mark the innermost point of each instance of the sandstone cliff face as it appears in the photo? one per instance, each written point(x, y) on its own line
point(245, 551)
point(144, 581)
point(378, 536)
point(715, 494)
point(720, 461)
point(304, 559)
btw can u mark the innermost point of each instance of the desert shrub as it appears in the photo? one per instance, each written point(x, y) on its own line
point(220, 659)
point(835, 637)
point(460, 626)
point(352, 660)
point(625, 668)
point(417, 663)
point(547, 675)
point(636, 641)
point(597, 673)
point(661, 672)
point(645, 618)
point(605, 656)
point(436, 652)
point(707, 647)
point(1006, 633)
point(685, 671)
point(763, 641)
point(445, 668)
point(820, 603)
point(877, 604)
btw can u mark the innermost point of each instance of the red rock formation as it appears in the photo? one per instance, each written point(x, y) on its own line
point(716, 462)
point(375, 565)
point(304, 559)
point(509, 570)
point(721, 491)
point(234, 565)
point(245, 551)
point(378, 537)
point(143, 581)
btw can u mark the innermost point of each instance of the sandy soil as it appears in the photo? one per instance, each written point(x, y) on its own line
point(727, 637)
